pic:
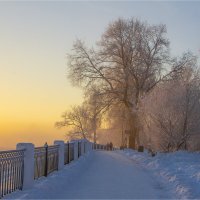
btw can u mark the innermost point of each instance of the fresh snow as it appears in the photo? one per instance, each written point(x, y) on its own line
point(102, 175)
point(179, 171)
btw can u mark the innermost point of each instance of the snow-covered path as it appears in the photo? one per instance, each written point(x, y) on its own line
point(97, 175)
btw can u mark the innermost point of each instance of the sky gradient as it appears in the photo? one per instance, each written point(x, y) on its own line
point(34, 40)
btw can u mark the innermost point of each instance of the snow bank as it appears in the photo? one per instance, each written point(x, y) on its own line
point(179, 170)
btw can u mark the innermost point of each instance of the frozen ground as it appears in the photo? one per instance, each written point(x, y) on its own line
point(178, 170)
point(100, 175)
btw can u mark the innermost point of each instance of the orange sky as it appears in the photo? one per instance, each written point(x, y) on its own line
point(29, 108)
point(32, 119)
point(34, 92)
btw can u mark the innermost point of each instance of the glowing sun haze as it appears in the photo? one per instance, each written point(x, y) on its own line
point(34, 40)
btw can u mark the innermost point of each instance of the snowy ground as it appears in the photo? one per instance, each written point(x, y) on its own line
point(101, 175)
point(179, 171)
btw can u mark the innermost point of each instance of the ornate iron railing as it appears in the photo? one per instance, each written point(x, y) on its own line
point(40, 162)
point(52, 158)
point(46, 160)
point(11, 171)
point(102, 147)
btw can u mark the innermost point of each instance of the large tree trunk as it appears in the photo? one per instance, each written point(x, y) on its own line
point(134, 131)
point(132, 141)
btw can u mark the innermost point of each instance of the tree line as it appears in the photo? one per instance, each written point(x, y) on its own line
point(130, 78)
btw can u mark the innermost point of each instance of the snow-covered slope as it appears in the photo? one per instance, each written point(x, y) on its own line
point(179, 170)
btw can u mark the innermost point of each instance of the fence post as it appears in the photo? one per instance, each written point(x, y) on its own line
point(28, 175)
point(75, 149)
point(60, 153)
point(82, 147)
point(86, 146)
point(46, 159)
point(68, 151)
point(91, 146)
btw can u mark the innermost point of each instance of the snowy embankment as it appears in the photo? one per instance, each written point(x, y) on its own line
point(179, 170)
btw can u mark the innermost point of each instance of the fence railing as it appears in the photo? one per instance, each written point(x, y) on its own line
point(19, 168)
point(52, 159)
point(11, 171)
point(39, 162)
point(108, 147)
point(45, 160)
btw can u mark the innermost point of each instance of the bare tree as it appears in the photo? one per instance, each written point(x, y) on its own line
point(131, 58)
point(96, 106)
point(84, 120)
point(77, 120)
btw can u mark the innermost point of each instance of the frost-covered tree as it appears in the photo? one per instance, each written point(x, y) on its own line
point(171, 113)
point(129, 60)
